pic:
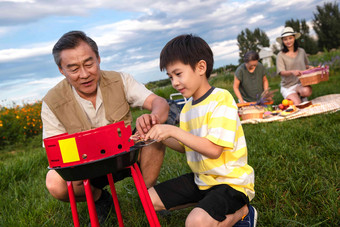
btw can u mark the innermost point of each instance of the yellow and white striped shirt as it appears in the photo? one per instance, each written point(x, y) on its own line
point(215, 117)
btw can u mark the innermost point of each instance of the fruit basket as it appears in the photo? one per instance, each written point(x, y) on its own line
point(314, 75)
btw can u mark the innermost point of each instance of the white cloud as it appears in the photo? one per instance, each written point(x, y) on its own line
point(27, 91)
point(4, 30)
point(18, 1)
point(225, 49)
point(133, 44)
point(256, 19)
point(12, 54)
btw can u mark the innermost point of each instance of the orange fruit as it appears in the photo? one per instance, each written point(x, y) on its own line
point(285, 102)
point(290, 102)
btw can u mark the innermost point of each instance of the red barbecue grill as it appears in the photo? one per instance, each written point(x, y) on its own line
point(93, 153)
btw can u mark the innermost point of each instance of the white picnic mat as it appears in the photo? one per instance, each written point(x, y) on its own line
point(323, 104)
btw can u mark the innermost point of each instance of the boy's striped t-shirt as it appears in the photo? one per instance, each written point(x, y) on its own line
point(215, 117)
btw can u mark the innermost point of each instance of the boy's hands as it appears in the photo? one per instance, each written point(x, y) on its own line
point(145, 122)
point(160, 132)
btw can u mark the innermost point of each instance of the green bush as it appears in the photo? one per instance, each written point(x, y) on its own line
point(19, 123)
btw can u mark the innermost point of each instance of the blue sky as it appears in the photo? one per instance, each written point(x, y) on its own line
point(130, 34)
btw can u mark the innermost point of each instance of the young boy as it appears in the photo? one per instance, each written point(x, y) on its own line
point(211, 136)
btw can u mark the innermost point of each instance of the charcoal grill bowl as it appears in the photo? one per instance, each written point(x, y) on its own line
point(99, 167)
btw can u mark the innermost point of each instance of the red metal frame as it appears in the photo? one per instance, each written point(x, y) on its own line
point(73, 204)
point(115, 200)
point(96, 146)
point(91, 145)
point(142, 192)
point(144, 196)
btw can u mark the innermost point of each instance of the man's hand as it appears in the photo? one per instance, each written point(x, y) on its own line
point(145, 122)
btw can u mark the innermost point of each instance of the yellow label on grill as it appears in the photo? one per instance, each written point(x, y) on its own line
point(69, 150)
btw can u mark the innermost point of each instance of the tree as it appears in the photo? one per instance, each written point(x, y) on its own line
point(248, 40)
point(305, 41)
point(327, 25)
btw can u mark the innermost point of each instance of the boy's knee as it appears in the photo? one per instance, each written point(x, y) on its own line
point(198, 217)
point(194, 220)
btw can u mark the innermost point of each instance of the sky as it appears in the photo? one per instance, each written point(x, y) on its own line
point(130, 34)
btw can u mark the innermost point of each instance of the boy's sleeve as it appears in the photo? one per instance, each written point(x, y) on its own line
point(222, 125)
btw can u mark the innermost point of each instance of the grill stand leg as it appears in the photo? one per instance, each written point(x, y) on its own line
point(144, 196)
point(115, 200)
point(90, 204)
point(73, 204)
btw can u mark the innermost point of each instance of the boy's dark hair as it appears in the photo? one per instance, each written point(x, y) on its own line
point(251, 56)
point(71, 40)
point(285, 49)
point(189, 50)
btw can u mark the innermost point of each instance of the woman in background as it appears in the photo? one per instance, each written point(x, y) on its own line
point(290, 63)
point(250, 79)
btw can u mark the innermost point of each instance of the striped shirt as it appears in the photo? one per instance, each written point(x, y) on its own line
point(215, 117)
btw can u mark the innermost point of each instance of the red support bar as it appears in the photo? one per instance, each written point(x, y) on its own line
point(90, 204)
point(73, 204)
point(115, 200)
point(144, 196)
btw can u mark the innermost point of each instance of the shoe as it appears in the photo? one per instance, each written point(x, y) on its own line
point(249, 220)
point(103, 206)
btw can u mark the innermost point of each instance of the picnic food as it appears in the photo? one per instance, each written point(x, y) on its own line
point(304, 104)
point(285, 102)
point(281, 106)
point(250, 112)
point(290, 110)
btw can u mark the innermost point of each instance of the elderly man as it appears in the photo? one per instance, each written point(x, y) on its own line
point(89, 98)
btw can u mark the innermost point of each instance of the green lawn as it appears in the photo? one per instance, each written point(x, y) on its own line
point(296, 166)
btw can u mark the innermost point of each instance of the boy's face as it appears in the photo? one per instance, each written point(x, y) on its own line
point(187, 81)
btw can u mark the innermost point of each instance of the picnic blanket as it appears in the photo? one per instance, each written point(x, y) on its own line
point(323, 104)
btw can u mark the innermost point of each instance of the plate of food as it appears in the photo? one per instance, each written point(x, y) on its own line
point(289, 111)
point(304, 104)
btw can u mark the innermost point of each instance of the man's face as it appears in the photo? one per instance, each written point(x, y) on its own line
point(81, 68)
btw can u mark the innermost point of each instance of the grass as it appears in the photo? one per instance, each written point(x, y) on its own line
point(296, 167)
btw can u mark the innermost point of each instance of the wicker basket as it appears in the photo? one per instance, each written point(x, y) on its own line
point(251, 112)
point(314, 76)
